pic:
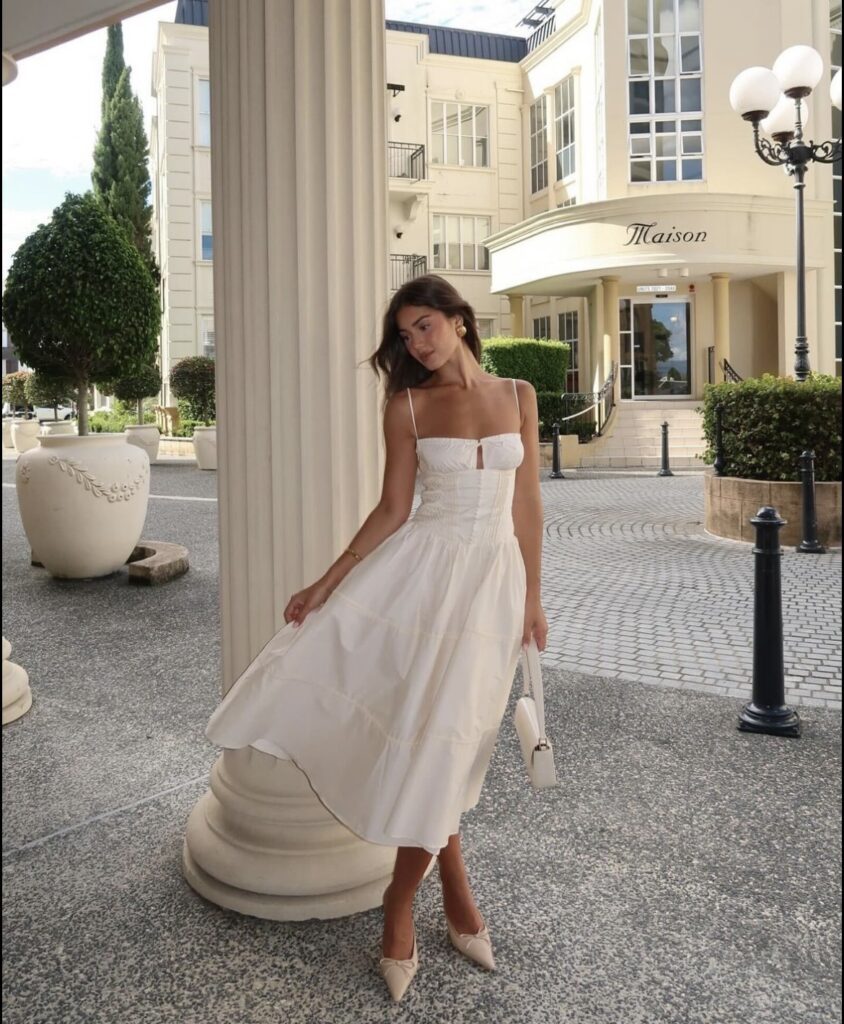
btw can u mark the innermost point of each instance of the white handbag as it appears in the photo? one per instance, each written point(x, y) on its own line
point(529, 719)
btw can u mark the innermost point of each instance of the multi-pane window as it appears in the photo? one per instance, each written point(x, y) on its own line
point(564, 127)
point(203, 112)
point(838, 199)
point(665, 90)
point(207, 332)
point(459, 134)
point(542, 327)
point(569, 331)
point(206, 236)
point(538, 146)
point(457, 242)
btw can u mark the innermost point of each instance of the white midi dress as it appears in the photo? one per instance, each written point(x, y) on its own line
point(390, 696)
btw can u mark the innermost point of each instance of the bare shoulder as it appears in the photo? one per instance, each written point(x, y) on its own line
point(525, 389)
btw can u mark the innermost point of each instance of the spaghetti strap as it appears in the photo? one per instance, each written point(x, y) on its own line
point(411, 414)
point(517, 398)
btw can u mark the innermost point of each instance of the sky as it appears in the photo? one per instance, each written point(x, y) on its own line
point(51, 112)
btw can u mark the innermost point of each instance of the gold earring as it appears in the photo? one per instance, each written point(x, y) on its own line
point(461, 331)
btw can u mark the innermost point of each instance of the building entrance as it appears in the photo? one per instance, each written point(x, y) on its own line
point(655, 343)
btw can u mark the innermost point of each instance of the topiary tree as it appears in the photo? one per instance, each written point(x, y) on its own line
point(193, 380)
point(79, 301)
point(44, 389)
point(135, 387)
point(14, 389)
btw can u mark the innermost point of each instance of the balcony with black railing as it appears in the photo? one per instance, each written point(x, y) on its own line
point(406, 161)
point(404, 268)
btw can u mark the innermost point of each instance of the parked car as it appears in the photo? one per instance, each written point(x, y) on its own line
point(41, 412)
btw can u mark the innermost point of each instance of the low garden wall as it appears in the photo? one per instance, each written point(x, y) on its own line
point(731, 502)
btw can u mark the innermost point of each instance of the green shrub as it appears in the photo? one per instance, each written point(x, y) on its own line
point(14, 388)
point(108, 422)
point(542, 363)
point(769, 421)
point(192, 381)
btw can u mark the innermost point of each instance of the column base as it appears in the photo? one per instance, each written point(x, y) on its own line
point(281, 907)
point(262, 843)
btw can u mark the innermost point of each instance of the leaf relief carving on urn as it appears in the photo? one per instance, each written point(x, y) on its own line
point(112, 492)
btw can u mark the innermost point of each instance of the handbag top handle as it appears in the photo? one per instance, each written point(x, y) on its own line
point(532, 679)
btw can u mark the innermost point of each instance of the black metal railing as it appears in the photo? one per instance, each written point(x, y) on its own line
point(730, 374)
point(601, 402)
point(537, 37)
point(710, 364)
point(405, 268)
point(406, 160)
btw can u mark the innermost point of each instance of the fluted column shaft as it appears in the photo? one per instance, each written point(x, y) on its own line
point(300, 284)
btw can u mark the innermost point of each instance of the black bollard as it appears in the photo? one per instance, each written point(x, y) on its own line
point(556, 472)
point(767, 711)
point(810, 545)
point(665, 471)
point(720, 461)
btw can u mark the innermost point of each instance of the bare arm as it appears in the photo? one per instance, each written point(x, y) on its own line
point(392, 509)
point(527, 515)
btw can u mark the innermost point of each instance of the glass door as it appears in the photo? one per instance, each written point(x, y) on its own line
point(661, 349)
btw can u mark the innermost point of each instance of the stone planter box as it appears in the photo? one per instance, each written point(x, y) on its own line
point(731, 502)
point(176, 446)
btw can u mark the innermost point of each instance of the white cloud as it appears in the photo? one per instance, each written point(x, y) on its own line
point(51, 112)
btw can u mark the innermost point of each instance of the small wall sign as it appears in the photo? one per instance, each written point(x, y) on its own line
point(661, 288)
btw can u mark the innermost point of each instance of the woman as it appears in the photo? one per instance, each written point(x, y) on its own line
point(403, 653)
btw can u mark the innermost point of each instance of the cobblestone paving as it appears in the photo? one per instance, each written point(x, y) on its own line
point(634, 588)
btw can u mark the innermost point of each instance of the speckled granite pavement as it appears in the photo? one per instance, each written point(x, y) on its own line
point(683, 873)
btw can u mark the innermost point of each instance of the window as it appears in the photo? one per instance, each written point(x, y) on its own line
point(569, 331)
point(538, 146)
point(459, 134)
point(564, 127)
point(457, 242)
point(485, 326)
point(206, 236)
point(206, 329)
point(665, 102)
point(203, 112)
point(542, 327)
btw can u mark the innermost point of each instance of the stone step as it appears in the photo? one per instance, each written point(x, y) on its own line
point(642, 462)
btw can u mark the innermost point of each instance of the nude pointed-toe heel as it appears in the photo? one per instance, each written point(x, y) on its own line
point(399, 973)
point(476, 946)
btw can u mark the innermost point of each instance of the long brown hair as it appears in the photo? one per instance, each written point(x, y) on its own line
point(391, 357)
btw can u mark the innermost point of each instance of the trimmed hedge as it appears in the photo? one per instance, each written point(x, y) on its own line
point(543, 363)
point(192, 381)
point(768, 422)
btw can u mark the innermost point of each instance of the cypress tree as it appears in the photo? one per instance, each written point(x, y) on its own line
point(113, 63)
point(121, 174)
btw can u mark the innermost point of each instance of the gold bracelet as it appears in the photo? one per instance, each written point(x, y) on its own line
point(354, 554)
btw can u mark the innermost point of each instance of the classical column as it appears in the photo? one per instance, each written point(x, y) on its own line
point(517, 315)
point(611, 326)
point(300, 285)
point(721, 321)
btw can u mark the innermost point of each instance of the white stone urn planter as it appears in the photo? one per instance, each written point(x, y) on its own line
point(25, 434)
point(53, 427)
point(17, 696)
point(205, 447)
point(7, 433)
point(146, 436)
point(83, 502)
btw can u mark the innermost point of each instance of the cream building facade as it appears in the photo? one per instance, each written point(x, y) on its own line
point(588, 183)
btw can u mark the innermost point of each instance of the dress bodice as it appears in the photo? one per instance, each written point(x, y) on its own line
point(460, 501)
point(444, 454)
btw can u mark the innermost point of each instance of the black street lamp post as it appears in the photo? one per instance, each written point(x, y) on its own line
point(775, 102)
